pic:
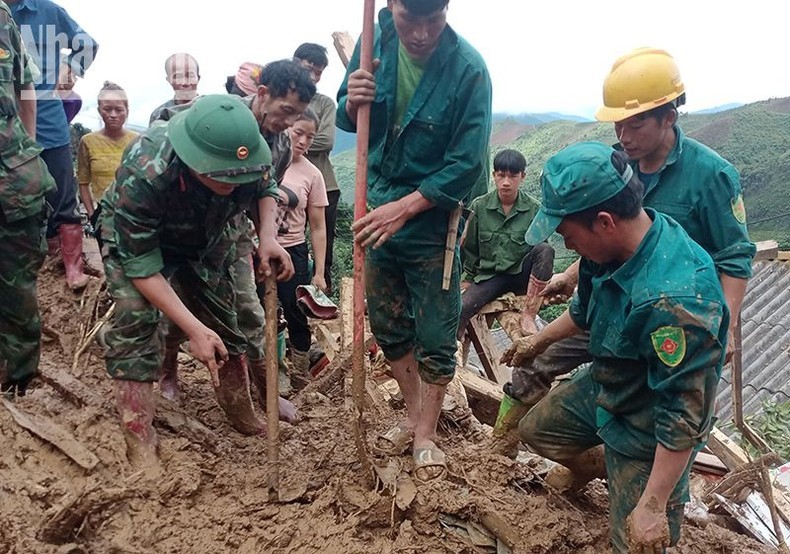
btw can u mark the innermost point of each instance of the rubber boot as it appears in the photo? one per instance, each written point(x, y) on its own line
point(574, 473)
point(532, 305)
point(233, 396)
point(300, 374)
point(258, 376)
point(505, 437)
point(71, 250)
point(136, 406)
point(168, 381)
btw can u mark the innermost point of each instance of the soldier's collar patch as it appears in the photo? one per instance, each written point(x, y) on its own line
point(669, 344)
point(4, 54)
point(738, 209)
point(242, 152)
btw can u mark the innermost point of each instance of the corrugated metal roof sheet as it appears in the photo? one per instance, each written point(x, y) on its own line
point(765, 320)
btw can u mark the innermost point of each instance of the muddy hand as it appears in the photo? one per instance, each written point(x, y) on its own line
point(522, 351)
point(362, 86)
point(207, 347)
point(274, 257)
point(558, 290)
point(647, 528)
point(378, 226)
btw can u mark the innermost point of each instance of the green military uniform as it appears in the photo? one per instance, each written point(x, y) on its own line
point(658, 329)
point(702, 191)
point(24, 180)
point(495, 243)
point(156, 218)
point(440, 149)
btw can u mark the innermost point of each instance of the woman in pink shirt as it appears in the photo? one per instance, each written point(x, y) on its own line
point(302, 200)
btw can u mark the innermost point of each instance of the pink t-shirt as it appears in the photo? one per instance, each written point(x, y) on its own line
point(302, 186)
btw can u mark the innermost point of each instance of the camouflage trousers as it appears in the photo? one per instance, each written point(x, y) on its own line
point(136, 339)
point(408, 308)
point(563, 425)
point(22, 252)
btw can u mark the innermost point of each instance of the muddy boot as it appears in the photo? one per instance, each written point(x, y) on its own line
point(532, 305)
point(168, 381)
point(574, 474)
point(233, 396)
point(505, 437)
point(136, 406)
point(300, 373)
point(258, 376)
point(71, 250)
point(53, 247)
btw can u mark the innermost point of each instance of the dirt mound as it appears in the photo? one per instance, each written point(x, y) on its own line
point(213, 495)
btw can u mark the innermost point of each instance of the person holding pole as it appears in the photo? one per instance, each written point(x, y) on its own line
point(430, 121)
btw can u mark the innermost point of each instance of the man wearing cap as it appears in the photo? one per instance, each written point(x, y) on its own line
point(651, 301)
point(683, 179)
point(164, 218)
point(430, 120)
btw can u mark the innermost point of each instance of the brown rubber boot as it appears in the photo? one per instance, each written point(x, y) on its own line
point(258, 376)
point(532, 305)
point(233, 396)
point(300, 373)
point(136, 406)
point(71, 250)
point(168, 381)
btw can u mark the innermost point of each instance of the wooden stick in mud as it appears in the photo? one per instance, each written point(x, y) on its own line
point(449, 248)
point(272, 392)
point(360, 208)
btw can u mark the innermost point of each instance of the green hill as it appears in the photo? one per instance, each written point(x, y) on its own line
point(754, 137)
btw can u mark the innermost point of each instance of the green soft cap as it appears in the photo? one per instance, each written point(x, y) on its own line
point(574, 179)
point(218, 136)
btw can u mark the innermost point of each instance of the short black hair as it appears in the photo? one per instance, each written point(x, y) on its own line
point(663, 110)
point(511, 161)
point(284, 76)
point(626, 204)
point(423, 7)
point(313, 53)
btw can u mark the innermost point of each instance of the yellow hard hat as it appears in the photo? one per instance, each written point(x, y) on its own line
point(641, 80)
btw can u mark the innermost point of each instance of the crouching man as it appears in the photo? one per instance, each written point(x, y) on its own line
point(162, 220)
point(651, 300)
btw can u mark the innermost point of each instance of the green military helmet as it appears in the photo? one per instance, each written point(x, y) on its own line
point(219, 138)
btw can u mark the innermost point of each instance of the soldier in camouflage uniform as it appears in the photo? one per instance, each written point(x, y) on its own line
point(24, 180)
point(284, 91)
point(165, 218)
point(651, 300)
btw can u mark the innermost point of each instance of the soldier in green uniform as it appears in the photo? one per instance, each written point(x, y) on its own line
point(651, 300)
point(430, 103)
point(24, 180)
point(683, 179)
point(165, 218)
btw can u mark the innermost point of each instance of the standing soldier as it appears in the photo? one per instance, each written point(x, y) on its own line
point(430, 103)
point(24, 180)
point(166, 217)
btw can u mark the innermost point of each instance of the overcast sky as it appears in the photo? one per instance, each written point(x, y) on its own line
point(543, 55)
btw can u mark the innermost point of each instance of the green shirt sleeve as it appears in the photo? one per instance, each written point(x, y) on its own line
point(680, 339)
point(724, 215)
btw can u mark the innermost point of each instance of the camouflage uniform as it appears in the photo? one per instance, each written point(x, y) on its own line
point(24, 180)
point(239, 241)
point(157, 219)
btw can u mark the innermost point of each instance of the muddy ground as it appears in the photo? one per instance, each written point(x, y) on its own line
point(213, 495)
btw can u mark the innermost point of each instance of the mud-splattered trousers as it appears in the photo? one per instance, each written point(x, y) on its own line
point(406, 304)
point(24, 181)
point(658, 330)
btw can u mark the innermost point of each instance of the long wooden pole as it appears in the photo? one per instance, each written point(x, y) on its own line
point(360, 209)
point(272, 389)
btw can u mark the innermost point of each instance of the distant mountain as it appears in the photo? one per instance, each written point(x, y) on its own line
point(754, 137)
point(722, 108)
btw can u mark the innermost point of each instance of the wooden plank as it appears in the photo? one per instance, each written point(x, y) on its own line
point(783, 256)
point(727, 450)
point(71, 388)
point(766, 250)
point(487, 351)
point(346, 313)
point(503, 304)
point(484, 396)
point(708, 463)
point(48, 430)
point(344, 45)
point(327, 339)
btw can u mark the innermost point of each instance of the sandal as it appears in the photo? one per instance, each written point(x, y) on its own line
point(395, 441)
point(426, 459)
